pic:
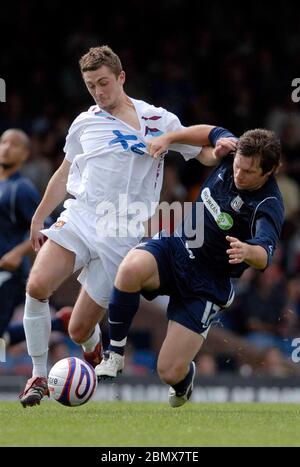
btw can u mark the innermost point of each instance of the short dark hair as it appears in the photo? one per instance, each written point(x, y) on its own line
point(99, 56)
point(263, 144)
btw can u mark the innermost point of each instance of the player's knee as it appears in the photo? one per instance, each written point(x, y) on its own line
point(78, 332)
point(130, 274)
point(37, 287)
point(171, 373)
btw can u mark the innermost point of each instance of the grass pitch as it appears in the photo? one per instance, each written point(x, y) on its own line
point(149, 424)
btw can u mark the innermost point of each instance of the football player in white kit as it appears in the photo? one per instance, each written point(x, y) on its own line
point(106, 156)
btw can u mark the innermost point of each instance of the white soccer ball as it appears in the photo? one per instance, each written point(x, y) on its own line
point(72, 381)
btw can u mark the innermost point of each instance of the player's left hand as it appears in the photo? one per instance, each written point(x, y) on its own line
point(11, 261)
point(224, 146)
point(158, 146)
point(237, 251)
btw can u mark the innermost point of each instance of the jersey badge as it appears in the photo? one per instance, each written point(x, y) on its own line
point(59, 224)
point(236, 203)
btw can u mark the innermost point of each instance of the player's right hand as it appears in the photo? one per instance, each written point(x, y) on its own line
point(36, 237)
point(224, 146)
point(158, 146)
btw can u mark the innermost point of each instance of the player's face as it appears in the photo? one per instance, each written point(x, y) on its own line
point(104, 86)
point(12, 149)
point(247, 173)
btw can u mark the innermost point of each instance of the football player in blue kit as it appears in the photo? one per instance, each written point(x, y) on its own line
point(242, 220)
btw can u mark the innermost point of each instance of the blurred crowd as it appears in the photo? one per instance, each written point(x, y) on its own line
point(217, 64)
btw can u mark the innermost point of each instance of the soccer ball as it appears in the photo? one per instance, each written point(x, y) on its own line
point(72, 381)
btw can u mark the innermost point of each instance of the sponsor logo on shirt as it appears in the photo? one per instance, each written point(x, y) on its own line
point(123, 139)
point(223, 219)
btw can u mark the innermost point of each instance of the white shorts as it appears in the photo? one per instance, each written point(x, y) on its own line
point(99, 258)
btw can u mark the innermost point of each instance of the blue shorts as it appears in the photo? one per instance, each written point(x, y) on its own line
point(197, 294)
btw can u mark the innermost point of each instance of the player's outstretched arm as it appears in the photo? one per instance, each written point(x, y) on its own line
point(254, 255)
point(55, 193)
point(196, 135)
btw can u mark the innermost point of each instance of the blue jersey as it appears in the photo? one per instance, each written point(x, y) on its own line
point(18, 202)
point(255, 217)
point(197, 276)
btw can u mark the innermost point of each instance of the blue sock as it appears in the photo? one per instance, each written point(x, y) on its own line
point(16, 333)
point(122, 308)
point(180, 387)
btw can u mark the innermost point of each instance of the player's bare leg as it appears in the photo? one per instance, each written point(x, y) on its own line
point(84, 328)
point(137, 271)
point(52, 266)
point(175, 362)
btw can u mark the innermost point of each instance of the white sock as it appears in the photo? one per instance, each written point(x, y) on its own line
point(37, 326)
point(6, 337)
point(92, 341)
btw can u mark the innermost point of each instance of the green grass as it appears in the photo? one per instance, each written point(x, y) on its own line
point(150, 424)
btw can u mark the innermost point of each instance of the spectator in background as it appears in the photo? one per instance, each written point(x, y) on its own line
point(18, 201)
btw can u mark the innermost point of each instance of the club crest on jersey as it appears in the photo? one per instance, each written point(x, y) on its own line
point(59, 224)
point(236, 203)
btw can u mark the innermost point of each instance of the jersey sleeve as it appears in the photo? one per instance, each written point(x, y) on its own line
point(267, 224)
point(172, 123)
point(73, 145)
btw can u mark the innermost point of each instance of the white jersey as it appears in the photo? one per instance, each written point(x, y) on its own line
point(109, 157)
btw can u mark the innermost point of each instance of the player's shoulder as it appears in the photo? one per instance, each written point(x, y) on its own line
point(148, 110)
point(271, 190)
point(80, 121)
point(223, 169)
point(226, 162)
point(85, 114)
point(269, 198)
